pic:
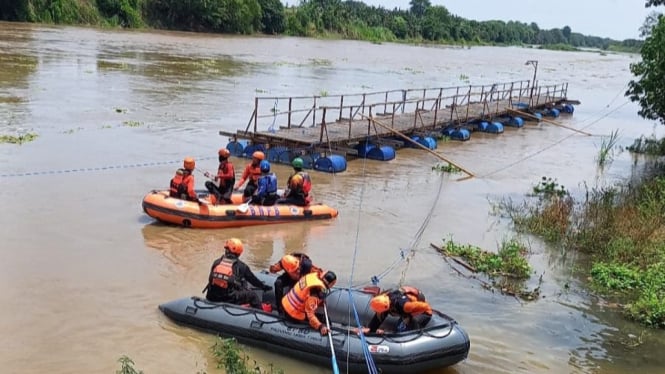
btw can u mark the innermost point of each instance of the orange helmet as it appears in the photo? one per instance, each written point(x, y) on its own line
point(234, 246)
point(189, 163)
point(290, 263)
point(224, 152)
point(329, 279)
point(259, 155)
point(380, 303)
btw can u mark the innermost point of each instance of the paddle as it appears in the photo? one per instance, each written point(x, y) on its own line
point(332, 348)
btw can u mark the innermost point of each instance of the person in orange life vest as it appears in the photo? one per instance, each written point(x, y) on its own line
point(182, 184)
point(229, 277)
point(298, 186)
point(406, 302)
point(266, 193)
point(303, 300)
point(226, 176)
point(251, 174)
point(295, 266)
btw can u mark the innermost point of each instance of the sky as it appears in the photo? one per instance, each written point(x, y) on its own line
point(616, 19)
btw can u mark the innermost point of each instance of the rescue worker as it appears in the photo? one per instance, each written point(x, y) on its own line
point(229, 277)
point(266, 193)
point(182, 184)
point(226, 176)
point(408, 303)
point(295, 266)
point(298, 186)
point(302, 301)
point(251, 174)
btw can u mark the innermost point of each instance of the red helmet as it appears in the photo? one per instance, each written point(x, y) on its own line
point(234, 246)
point(259, 155)
point(224, 152)
point(380, 303)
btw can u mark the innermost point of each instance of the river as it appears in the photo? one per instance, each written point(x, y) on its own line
point(83, 269)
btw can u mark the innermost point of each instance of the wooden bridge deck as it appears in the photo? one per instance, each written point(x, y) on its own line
point(330, 121)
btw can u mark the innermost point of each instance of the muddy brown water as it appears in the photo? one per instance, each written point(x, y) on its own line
point(83, 269)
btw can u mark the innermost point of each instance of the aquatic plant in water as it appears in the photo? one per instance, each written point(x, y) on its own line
point(18, 139)
point(228, 356)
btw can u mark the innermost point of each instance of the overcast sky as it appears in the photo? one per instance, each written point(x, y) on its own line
point(616, 19)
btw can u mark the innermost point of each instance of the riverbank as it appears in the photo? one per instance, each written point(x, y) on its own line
point(621, 227)
point(342, 20)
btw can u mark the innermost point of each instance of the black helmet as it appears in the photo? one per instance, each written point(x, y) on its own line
point(329, 279)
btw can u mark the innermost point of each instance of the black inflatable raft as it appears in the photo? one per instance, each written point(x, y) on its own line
point(440, 344)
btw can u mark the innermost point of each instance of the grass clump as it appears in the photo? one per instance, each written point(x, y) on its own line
point(509, 261)
point(648, 146)
point(446, 168)
point(228, 356)
point(623, 229)
point(18, 139)
point(607, 145)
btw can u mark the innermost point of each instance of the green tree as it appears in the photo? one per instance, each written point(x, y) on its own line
point(648, 89)
point(419, 7)
point(399, 27)
point(566, 32)
point(272, 16)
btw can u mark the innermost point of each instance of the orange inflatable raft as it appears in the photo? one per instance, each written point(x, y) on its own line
point(160, 206)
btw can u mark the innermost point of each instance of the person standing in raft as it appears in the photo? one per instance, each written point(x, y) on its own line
point(295, 266)
point(182, 184)
point(406, 302)
point(229, 276)
point(266, 193)
point(226, 176)
point(298, 186)
point(303, 300)
point(251, 174)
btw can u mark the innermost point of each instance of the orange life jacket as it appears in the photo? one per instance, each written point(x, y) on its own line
point(179, 184)
point(222, 274)
point(307, 182)
point(412, 293)
point(294, 301)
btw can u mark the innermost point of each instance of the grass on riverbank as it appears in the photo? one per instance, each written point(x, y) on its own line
point(228, 356)
point(622, 228)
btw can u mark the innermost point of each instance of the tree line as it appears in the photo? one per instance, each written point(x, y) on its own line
point(349, 19)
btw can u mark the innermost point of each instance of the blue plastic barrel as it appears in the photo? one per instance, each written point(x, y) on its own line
point(273, 153)
point(330, 164)
point(538, 115)
point(286, 157)
point(236, 147)
point(482, 126)
point(495, 128)
point(461, 134)
point(428, 142)
point(521, 105)
point(382, 153)
point(568, 108)
point(516, 122)
point(308, 160)
point(448, 131)
point(247, 152)
point(363, 148)
point(553, 112)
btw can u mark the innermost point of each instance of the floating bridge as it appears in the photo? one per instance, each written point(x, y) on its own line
point(326, 129)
